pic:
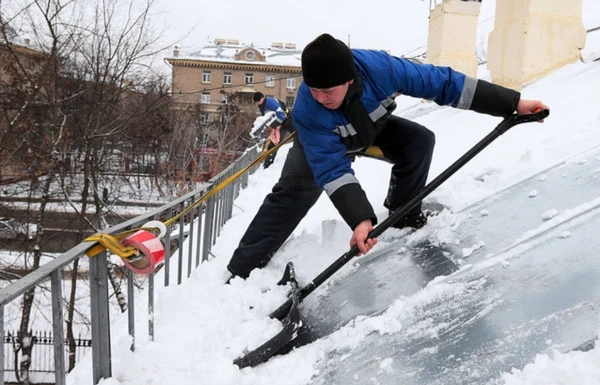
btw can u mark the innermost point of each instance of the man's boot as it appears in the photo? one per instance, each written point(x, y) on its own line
point(416, 221)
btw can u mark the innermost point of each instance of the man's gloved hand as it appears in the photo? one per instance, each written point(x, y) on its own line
point(274, 135)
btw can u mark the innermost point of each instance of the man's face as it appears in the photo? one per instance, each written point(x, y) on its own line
point(260, 102)
point(331, 98)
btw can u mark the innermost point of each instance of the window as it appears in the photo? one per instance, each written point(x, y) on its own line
point(289, 101)
point(227, 78)
point(250, 55)
point(290, 84)
point(205, 76)
point(249, 79)
point(270, 81)
point(204, 119)
point(224, 98)
point(205, 98)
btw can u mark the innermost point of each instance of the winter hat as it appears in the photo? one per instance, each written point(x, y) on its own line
point(257, 96)
point(327, 62)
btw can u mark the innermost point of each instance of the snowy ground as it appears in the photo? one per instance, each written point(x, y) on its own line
point(202, 325)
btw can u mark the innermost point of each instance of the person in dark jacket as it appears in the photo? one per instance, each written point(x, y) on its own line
point(281, 126)
point(343, 106)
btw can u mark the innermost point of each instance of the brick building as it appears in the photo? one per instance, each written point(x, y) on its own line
point(227, 65)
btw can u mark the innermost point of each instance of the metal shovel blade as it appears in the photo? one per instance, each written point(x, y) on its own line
point(291, 323)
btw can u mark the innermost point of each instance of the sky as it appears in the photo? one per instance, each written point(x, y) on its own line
point(203, 325)
point(398, 26)
point(381, 25)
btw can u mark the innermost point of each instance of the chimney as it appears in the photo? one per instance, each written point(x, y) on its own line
point(176, 52)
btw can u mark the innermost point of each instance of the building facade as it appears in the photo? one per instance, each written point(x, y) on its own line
point(225, 66)
point(16, 56)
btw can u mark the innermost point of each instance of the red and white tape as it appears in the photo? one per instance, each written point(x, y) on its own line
point(152, 249)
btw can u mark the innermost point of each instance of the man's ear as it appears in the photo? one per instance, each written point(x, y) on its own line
point(350, 81)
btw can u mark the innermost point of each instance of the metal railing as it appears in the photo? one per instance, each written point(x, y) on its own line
point(200, 226)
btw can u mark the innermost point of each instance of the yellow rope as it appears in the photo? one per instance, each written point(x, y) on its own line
point(112, 242)
point(233, 177)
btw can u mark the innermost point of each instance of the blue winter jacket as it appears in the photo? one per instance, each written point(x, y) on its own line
point(272, 104)
point(326, 134)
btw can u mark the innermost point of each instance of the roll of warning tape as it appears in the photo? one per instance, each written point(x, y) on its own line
point(151, 252)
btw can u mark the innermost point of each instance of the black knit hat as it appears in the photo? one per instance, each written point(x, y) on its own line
point(327, 62)
point(257, 96)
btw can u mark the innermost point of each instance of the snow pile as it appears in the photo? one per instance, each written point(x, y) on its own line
point(261, 122)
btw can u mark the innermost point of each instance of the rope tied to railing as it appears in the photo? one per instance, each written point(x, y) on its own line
point(111, 243)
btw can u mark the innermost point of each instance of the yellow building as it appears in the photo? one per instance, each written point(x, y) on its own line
point(229, 66)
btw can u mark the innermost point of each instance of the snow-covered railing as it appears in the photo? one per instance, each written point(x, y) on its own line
point(199, 227)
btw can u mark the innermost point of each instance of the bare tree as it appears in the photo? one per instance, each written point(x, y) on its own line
point(199, 148)
point(79, 87)
point(229, 134)
point(31, 129)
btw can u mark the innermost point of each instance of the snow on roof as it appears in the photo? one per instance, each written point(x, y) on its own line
point(280, 54)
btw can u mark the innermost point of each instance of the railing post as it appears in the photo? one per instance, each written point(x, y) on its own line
point(151, 307)
point(131, 308)
point(219, 221)
point(190, 238)
point(215, 218)
point(167, 240)
point(208, 228)
point(57, 326)
point(101, 354)
point(230, 199)
point(199, 234)
point(180, 245)
point(2, 348)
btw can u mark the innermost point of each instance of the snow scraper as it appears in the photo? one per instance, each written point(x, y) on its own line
point(288, 312)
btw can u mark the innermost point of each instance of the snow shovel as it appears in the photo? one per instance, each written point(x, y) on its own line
point(288, 312)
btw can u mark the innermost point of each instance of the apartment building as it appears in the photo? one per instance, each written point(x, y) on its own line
point(230, 66)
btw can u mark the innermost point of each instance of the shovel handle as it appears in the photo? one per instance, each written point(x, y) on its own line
point(513, 120)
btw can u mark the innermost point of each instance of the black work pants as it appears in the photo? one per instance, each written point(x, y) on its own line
point(291, 198)
point(408, 145)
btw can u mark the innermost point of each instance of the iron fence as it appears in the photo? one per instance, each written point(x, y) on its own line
point(42, 356)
